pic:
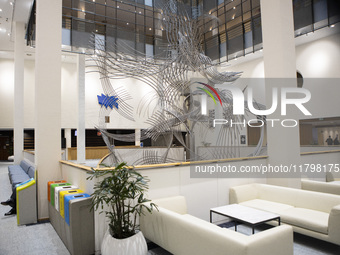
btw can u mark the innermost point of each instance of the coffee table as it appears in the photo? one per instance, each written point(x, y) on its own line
point(244, 214)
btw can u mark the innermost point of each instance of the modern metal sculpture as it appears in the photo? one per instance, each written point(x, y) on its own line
point(168, 76)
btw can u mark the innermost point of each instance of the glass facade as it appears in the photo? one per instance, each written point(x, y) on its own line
point(230, 28)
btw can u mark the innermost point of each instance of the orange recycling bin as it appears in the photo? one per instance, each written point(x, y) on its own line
point(49, 188)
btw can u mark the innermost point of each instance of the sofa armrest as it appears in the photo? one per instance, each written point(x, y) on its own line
point(334, 225)
point(26, 202)
point(324, 187)
point(176, 204)
point(277, 240)
point(242, 193)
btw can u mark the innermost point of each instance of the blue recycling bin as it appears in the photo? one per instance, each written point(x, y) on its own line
point(67, 199)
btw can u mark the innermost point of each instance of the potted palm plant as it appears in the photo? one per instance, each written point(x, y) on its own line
point(120, 195)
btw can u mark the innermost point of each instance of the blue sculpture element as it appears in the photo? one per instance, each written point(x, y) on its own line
point(108, 101)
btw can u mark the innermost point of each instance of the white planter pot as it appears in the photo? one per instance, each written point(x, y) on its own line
point(134, 245)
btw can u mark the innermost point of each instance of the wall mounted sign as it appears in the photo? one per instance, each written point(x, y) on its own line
point(108, 101)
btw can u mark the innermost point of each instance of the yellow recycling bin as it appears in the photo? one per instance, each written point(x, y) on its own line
point(62, 194)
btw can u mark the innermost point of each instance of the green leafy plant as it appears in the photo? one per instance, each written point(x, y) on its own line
point(122, 190)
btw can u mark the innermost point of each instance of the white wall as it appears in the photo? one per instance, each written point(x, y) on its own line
point(69, 106)
point(6, 93)
point(319, 64)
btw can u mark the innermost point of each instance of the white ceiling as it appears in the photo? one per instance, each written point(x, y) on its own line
point(12, 11)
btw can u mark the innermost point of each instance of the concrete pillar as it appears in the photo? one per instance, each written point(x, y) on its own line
point(47, 97)
point(81, 109)
point(280, 71)
point(19, 56)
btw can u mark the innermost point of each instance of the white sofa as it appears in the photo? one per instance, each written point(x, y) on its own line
point(180, 233)
point(310, 213)
point(324, 187)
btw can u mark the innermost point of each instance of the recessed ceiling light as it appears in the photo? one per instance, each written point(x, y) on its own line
point(150, 28)
point(127, 23)
point(96, 30)
point(0, 10)
point(117, 6)
point(333, 25)
point(234, 8)
point(11, 3)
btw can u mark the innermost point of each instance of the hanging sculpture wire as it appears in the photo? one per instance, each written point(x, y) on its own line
point(168, 76)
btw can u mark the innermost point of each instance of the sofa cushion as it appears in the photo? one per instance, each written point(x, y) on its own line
point(306, 218)
point(15, 169)
point(265, 205)
point(19, 178)
point(25, 165)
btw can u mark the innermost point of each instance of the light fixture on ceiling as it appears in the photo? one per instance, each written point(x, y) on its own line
point(234, 8)
point(150, 28)
point(117, 6)
point(333, 25)
point(0, 10)
point(11, 3)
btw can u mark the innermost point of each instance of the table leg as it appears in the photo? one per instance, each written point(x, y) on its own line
point(210, 217)
point(253, 230)
point(279, 221)
point(235, 225)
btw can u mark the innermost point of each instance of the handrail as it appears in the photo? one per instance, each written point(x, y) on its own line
point(317, 152)
point(87, 168)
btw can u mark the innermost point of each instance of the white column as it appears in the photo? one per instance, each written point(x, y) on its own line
point(280, 71)
point(81, 109)
point(68, 140)
point(137, 137)
point(47, 97)
point(19, 46)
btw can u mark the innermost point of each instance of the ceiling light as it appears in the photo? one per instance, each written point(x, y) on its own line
point(333, 25)
point(140, 12)
point(150, 28)
point(127, 23)
point(96, 30)
point(0, 10)
point(234, 8)
point(11, 3)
